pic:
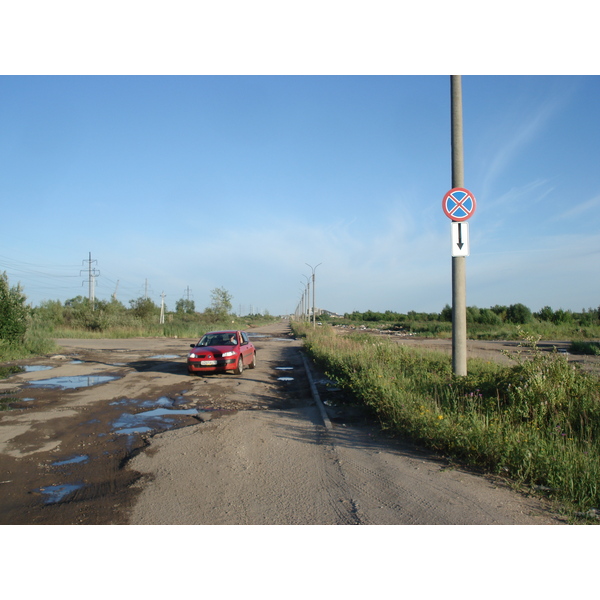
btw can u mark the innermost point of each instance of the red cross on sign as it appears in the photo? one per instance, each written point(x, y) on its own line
point(459, 204)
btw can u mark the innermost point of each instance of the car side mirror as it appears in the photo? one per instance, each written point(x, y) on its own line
point(192, 345)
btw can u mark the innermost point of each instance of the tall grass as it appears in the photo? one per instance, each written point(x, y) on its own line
point(36, 342)
point(142, 328)
point(537, 421)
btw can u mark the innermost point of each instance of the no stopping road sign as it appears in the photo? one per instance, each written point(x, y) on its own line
point(459, 204)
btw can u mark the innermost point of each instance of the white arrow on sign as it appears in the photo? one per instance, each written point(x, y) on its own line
point(460, 238)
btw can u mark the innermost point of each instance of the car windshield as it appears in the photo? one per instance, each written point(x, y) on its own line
point(218, 339)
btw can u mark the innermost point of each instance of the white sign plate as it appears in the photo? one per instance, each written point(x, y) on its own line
point(460, 238)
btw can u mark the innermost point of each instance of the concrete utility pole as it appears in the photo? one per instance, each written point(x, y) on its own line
point(91, 275)
point(313, 299)
point(162, 309)
point(459, 278)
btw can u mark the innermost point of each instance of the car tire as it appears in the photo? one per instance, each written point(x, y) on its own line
point(253, 363)
point(240, 366)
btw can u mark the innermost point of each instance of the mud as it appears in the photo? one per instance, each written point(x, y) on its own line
point(74, 421)
point(132, 438)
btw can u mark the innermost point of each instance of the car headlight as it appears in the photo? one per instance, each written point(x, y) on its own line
point(191, 355)
point(231, 353)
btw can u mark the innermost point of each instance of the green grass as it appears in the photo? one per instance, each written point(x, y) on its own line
point(536, 422)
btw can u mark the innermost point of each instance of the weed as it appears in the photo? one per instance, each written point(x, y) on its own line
point(537, 421)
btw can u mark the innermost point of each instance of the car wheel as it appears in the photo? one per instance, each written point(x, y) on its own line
point(253, 363)
point(240, 366)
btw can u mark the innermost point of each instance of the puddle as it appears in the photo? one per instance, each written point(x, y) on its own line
point(71, 461)
point(73, 382)
point(258, 335)
point(162, 401)
point(147, 421)
point(285, 379)
point(164, 356)
point(56, 493)
point(33, 368)
point(283, 339)
point(284, 368)
point(76, 362)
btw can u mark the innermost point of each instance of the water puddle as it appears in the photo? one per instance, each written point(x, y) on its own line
point(56, 493)
point(164, 356)
point(76, 362)
point(71, 461)
point(283, 339)
point(285, 379)
point(162, 401)
point(73, 382)
point(159, 418)
point(284, 368)
point(33, 368)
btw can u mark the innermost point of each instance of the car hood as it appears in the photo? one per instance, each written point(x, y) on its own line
point(212, 349)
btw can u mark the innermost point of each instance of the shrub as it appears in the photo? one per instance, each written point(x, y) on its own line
point(519, 314)
point(13, 312)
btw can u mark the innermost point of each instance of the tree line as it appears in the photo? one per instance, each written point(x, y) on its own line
point(517, 314)
point(17, 317)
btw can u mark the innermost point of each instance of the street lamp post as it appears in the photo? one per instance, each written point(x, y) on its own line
point(313, 299)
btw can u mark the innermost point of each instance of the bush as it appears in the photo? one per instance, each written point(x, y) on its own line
point(518, 314)
point(13, 312)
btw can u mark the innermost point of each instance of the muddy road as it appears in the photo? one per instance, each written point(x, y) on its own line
point(117, 432)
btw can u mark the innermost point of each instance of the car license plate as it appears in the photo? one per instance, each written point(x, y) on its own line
point(208, 363)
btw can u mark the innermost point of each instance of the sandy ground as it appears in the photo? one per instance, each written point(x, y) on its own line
point(255, 451)
point(285, 466)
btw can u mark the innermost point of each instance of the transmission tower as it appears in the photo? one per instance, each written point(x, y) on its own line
point(92, 274)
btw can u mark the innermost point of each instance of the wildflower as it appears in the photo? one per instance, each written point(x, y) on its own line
point(440, 417)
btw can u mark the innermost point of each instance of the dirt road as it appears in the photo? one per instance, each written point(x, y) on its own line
point(149, 444)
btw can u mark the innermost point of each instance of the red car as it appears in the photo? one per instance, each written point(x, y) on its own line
point(222, 351)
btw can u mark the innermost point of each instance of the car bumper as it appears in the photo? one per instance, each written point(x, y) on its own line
point(196, 366)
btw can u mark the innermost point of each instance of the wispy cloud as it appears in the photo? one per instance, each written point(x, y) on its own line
point(582, 207)
point(523, 132)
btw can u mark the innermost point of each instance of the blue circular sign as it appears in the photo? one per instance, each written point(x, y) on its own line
point(459, 204)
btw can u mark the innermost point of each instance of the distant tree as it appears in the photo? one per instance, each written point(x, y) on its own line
point(77, 303)
point(13, 311)
point(220, 302)
point(519, 314)
point(144, 308)
point(185, 306)
point(545, 314)
point(446, 314)
point(473, 314)
point(50, 312)
point(562, 316)
point(488, 317)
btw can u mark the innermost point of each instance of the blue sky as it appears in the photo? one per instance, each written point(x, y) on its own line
point(199, 182)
